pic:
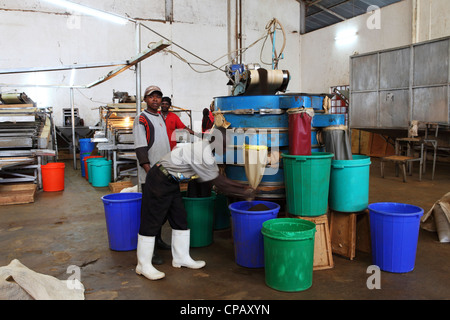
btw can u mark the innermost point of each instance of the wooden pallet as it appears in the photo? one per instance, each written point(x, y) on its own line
point(350, 232)
point(17, 193)
point(323, 255)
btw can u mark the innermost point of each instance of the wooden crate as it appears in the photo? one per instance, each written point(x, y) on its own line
point(350, 231)
point(323, 255)
point(116, 187)
point(17, 193)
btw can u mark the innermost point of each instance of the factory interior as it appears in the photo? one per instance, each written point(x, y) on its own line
point(337, 139)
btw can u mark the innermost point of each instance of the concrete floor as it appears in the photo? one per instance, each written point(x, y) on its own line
point(68, 228)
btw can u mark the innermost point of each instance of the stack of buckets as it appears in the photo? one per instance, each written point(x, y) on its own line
point(394, 227)
point(86, 148)
point(96, 169)
point(289, 242)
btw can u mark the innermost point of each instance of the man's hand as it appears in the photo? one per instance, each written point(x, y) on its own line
point(146, 167)
point(229, 187)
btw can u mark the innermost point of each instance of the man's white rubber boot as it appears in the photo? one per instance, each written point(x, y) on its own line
point(145, 248)
point(180, 251)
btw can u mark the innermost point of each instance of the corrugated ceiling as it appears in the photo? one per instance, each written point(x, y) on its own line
point(322, 13)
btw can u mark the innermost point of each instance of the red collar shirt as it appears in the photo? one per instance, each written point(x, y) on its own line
point(173, 122)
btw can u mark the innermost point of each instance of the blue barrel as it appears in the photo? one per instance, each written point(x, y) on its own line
point(123, 218)
point(394, 231)
point(82, 156)
point(86, 146)
point(247, 236)
point(349, 184)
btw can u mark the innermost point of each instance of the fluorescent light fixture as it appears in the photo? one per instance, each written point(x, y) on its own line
point(72, 77)
point(346, 36)
point(89, 11)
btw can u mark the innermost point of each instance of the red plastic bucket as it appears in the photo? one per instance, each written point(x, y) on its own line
point(299, 133)
point(53, 176)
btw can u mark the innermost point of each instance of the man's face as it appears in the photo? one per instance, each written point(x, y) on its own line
point(165, 106)
point(153, 101)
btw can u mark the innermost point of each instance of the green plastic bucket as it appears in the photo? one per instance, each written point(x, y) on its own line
point(89, 163)
point(307, 183)
point(288, 253)
point(200, 219)
point(349, 184)
point(101, 173)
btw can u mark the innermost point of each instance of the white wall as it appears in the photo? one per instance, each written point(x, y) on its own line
point(325, 61)
point(433, 19)
point(37, 34)
point(34, 33)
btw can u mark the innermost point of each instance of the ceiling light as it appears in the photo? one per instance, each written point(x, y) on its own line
point(89, 11)
point(346, 36)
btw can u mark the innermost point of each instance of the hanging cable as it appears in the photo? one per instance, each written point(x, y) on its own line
point(239, 52)
point(181, 47)
point(276, 57)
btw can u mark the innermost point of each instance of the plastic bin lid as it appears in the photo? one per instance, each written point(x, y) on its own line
point(289, 229)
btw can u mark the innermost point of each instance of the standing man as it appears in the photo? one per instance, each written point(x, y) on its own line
point(150, 141)
point(172, 121)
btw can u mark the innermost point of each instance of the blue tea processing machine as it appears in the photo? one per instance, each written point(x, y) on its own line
point(256, 114)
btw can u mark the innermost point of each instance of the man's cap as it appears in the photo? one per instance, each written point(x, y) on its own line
point(167, 99)
point(152, 89)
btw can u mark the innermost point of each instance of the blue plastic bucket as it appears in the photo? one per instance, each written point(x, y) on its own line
point(123, 218)
point(86, 146)
point(101, 173)
point(349, 184)
point(247, 236)
point(394, 230)
point(83, 168)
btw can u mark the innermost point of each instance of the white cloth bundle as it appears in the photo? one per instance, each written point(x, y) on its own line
point(17, 282)
point(437, 219)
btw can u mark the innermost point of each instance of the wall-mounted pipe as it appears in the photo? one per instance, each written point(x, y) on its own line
point(415, 20)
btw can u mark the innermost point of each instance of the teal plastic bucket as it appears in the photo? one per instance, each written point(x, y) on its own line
point(349, 184)
point(289, 253)
point(307, 183)
point(89, 162)
point(101, 173)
